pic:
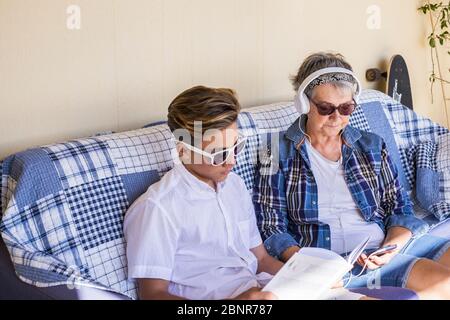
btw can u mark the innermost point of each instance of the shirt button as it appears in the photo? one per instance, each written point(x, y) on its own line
point(327, 238)
point(314, 203)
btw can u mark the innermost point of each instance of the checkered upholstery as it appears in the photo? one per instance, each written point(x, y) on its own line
point(63, 205)
point(430, 172)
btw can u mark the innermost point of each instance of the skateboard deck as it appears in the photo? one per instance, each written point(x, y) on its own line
point(398, 84)
point(398, 81)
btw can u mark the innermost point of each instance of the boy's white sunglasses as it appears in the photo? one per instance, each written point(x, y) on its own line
point(219, 158)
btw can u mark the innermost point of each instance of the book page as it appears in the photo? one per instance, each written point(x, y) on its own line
point(341, 294)
point(308, 275)
point(356, 253)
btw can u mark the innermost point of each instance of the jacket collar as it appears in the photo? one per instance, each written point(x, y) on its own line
point(296, 133)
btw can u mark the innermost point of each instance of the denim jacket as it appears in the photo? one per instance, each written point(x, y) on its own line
point(286, 201)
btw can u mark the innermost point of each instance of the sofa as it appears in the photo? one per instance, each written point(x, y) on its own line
point(62, 205)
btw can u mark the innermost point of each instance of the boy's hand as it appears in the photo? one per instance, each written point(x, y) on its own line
point(338, 285)
point(256, 294)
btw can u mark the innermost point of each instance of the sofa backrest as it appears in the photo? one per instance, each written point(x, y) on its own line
point(63, 204)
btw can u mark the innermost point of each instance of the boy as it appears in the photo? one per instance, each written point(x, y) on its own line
point(193, 235)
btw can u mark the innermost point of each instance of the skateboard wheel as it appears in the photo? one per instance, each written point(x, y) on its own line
point(373, 75)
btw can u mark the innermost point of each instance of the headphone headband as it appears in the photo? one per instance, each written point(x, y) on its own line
point(302, 101)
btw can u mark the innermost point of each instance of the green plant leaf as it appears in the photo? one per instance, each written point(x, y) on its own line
point(424, 9)
point(432, 42)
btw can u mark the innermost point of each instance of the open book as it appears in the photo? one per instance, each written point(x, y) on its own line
point(312, 272)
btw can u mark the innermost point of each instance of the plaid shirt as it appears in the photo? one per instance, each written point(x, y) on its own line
point(286, 201)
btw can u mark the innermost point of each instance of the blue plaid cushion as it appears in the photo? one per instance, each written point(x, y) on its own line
point(64, 206)
point(442, 209)
point(429, 172)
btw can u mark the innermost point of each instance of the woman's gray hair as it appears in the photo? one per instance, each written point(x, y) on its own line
point(322, 60)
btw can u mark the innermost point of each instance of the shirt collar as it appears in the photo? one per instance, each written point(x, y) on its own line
point(297, 135)
point(196, 185)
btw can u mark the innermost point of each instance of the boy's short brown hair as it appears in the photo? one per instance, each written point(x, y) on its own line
point(215, 108)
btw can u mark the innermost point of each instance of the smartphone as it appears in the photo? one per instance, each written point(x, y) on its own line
point(383, 250)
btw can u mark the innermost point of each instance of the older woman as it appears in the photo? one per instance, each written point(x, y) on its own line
point(337, 184)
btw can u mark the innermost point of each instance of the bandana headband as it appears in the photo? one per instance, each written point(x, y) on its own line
point(329, 78)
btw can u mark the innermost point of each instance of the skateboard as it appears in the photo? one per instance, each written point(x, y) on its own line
point(398, 84)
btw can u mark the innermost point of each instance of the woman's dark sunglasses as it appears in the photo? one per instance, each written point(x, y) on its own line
point(326, 109)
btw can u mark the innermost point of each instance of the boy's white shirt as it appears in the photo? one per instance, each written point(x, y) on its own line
point(183, 231)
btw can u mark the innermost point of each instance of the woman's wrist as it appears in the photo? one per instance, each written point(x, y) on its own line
point(397, 236)
point(289, 252)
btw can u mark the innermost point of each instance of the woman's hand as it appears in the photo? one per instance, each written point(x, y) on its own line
point(395, 235)
point(375, 262)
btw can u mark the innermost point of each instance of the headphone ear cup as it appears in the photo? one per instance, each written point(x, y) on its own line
point(306, 107)
point(298, 104)
point(358, 90)
point(357, 96)
point(302, 104)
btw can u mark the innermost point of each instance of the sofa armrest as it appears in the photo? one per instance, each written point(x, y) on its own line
point(12, 288)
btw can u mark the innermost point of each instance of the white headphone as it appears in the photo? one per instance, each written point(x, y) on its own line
point(301, 100)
